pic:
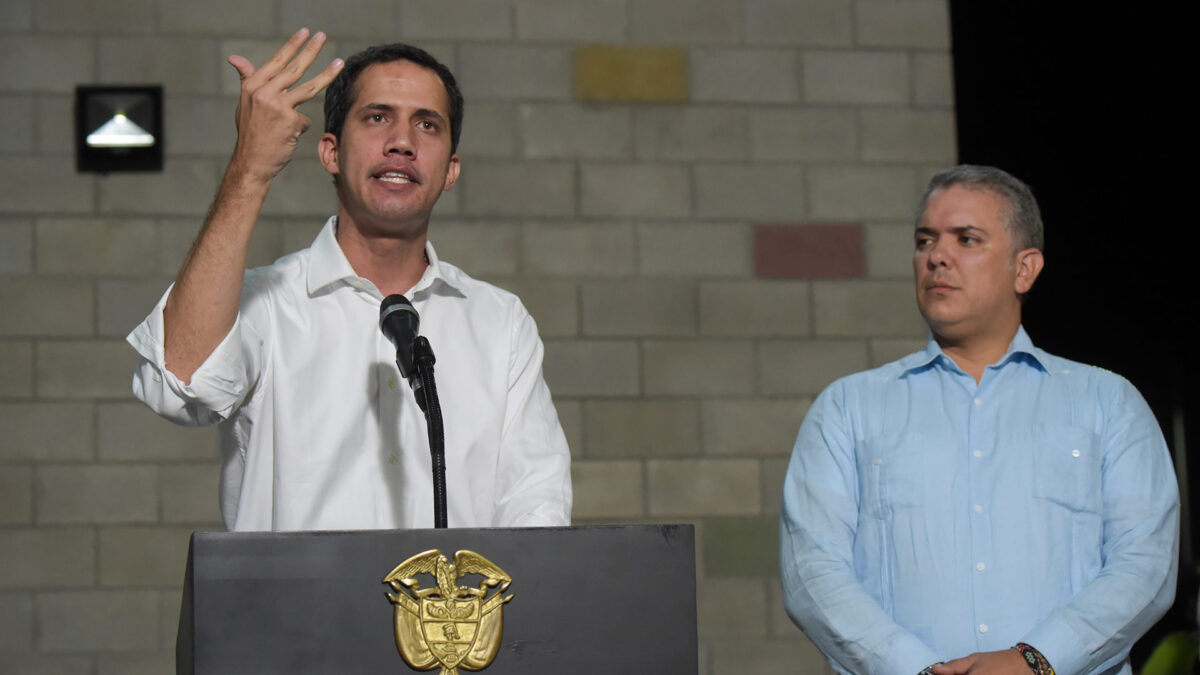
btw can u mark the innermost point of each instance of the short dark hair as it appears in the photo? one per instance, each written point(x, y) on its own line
point(340, 93)
point(1024, 222)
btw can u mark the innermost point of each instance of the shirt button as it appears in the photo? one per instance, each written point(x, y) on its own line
point(983, 628)
point(393, 459)
point(977, 453)
point(391, 383)
point(1075, 453)
point(878, 461)
point(980, 567)
point(978, 402)
point(978, 508)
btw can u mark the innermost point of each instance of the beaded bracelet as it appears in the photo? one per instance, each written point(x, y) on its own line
point(1037, 663)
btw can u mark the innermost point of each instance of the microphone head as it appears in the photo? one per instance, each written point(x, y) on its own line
point(399, 320)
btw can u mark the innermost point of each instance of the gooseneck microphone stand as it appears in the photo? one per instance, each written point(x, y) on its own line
point(425, 390)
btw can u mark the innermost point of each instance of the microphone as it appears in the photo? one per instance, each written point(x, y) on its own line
point(399, 321)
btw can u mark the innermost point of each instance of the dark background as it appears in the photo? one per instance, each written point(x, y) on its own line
point(1088, 108)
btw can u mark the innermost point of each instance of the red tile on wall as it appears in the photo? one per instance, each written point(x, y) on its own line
point(809, 251)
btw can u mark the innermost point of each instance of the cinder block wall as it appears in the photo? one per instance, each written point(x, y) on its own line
point(704, 203)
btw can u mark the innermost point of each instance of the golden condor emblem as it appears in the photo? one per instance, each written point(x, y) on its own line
point(449, 626)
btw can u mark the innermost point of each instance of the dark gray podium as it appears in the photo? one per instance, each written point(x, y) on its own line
point(585, 600)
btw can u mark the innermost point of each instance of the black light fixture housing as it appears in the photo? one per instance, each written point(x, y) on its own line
point(118, 128)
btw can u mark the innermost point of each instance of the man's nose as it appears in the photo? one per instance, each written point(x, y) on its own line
point(936, 255)
point(400, 141)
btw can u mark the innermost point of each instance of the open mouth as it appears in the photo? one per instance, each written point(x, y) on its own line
point(395, 177)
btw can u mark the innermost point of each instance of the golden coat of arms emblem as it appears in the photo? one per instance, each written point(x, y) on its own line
point(448, 625)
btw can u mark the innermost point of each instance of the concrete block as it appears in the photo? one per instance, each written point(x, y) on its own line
point(16, 496)
point(632, 74)
point(141, 663)
point(16, 115)
point(751, 427)
point(201, 125)
point(635, 190)
point(357, 18)
point(639, 307)
point(856, 77)
point(45, 306)
point(553, 304)
point(456, 19)
point(515, 72)
point(17, 15)
point(607, 490)
point(491, 131)
point(185, 187)
point(933, 79)
point(16, 663)
point(809, 251)
point(807, 367)
point(690, 132)
point(131, 431)
point(295, 233)
point(773, 471)
point(745, 75)
point(694, 249)
point(219, 17)
point(755, 308)
point(860, 192)
point(818, 23)
point(45, 185)
point(169, 604)
point(570, 416)
point(123, 303)
point(46, 432)
point(582, 21)
point(139, 557)
point(866, 309)
point(47, 558)
point(16, 369)
point(728, 608)
point(696, 487)
point(735, 657)
point(703, 367)
point(642, 428)
point(98, 620)
point(747, 548)
point(482, 249)
point(16, 622)
point(889, 249)
point(685, 21)
point(16, 247)
point(592, 367)
point(814, 134)
point(100, 246)
point(304, 188)
point(181, 65)
point(44, 63)
point(573, 130)
point(90, 17)
point(54, 114)
point(885, 351)
point(527, 188)
point(922, 24)
point(600, 249)
point(760, 192)
point(95, 369)
point(189, 493)
point(909, 135)
point(94, 493)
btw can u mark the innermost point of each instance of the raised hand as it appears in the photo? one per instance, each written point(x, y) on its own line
point(268, 122)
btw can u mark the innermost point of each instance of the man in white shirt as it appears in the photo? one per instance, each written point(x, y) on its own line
point(316, 430)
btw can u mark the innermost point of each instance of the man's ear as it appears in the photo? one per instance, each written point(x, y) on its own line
point(452, 170)
point(1029, 265)
point(327, 150)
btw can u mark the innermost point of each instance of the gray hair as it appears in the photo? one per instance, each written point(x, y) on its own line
point(1024, 218)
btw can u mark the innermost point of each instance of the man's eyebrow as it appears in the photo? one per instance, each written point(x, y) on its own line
point(427, 112)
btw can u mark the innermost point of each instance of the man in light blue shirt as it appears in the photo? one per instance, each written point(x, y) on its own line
point(980, 506)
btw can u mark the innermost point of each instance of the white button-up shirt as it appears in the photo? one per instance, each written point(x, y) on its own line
point(317, 430)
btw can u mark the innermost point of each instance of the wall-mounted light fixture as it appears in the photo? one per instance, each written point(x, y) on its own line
point(118, 129)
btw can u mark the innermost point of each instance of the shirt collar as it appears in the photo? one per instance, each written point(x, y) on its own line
point(1021, 349)
point(328, 265)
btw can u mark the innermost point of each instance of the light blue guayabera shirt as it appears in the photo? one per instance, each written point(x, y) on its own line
point(926, 517)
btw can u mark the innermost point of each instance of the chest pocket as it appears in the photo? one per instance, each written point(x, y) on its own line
point(1067, 468)
point(892, 473)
